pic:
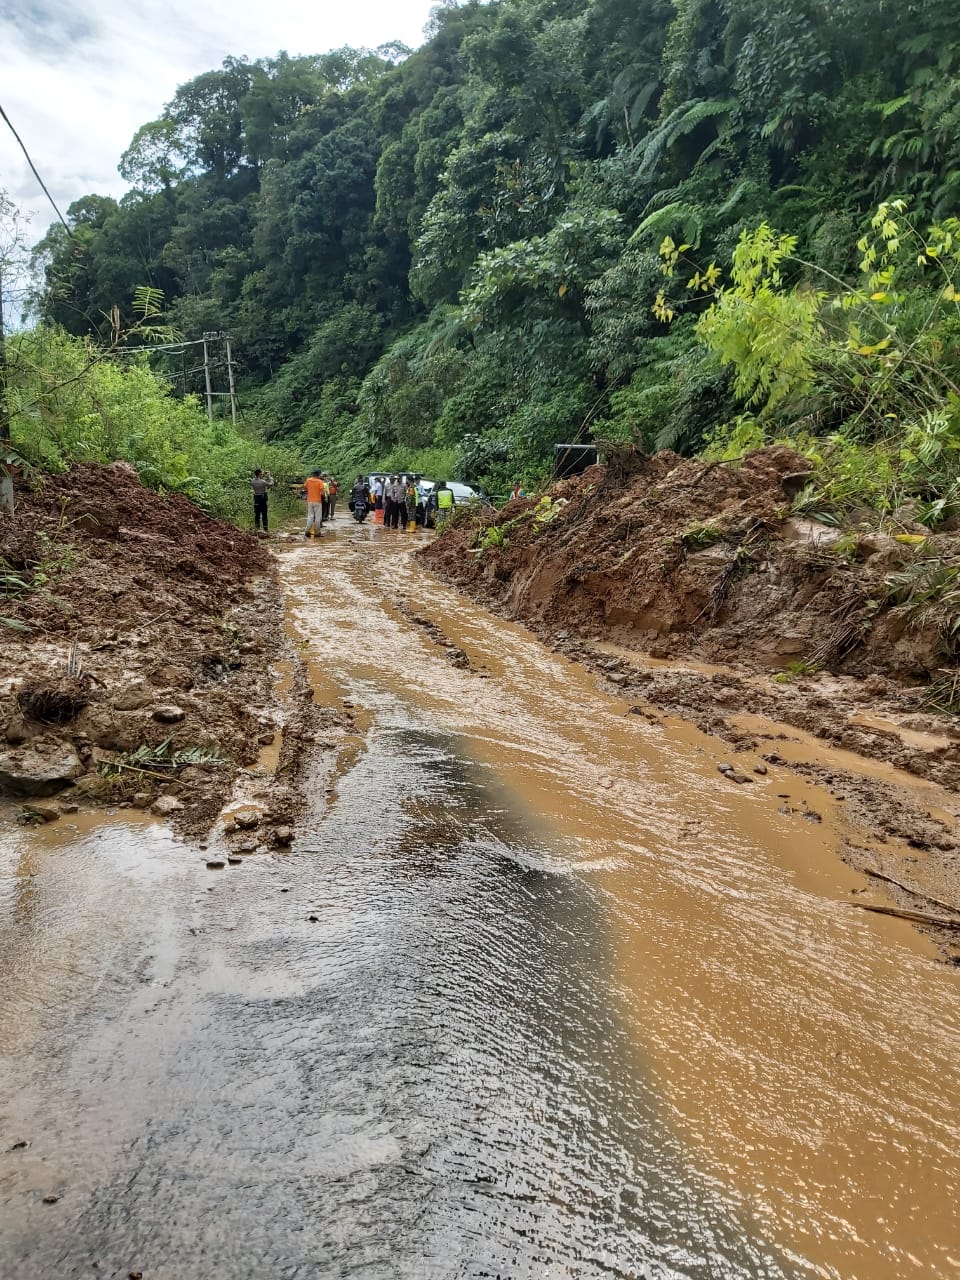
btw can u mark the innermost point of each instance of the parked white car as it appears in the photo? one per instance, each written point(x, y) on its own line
point(462, 493)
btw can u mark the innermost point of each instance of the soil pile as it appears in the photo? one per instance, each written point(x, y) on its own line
point(695, 563)
point(137, 636)
point(685, 557)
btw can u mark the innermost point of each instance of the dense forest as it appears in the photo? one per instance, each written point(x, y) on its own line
point(697, 224)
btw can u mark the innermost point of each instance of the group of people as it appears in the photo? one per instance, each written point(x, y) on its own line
point(402, 500)
point(320, 491)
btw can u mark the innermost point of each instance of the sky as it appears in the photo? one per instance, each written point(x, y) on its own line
point(79, 77)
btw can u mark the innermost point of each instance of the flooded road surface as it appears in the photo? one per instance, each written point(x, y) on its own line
point(541, 995)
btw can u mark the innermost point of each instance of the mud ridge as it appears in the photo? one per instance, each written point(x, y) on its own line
point(139, 668)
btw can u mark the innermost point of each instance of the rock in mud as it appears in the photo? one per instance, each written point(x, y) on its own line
point(31, 772)
point(169, 714)
point(247, 821)
point(216, 864)
point(283, 835)
point(725, 768)
point(39, 813)
point(134, 698)
point(739, 778)
point(16, 732)
point(165, 805)
point(172, 677)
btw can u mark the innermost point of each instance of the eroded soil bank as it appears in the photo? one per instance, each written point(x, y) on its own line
point(690, 588)
point(139, 655)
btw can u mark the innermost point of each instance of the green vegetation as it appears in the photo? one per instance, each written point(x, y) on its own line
point(927, 592)
point(71, 401)
point(696, 224)
point(796, 670)
point(700, 535)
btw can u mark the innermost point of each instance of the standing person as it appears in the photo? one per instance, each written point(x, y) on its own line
point(325, 505)
point(390, 494)
point(334, 489)
point(410, 499)
point(399, 501)
point(518, 491)
point(423, 503)
point(378, 492)
point(261, 483)
point(315, 491)
point(443, 496)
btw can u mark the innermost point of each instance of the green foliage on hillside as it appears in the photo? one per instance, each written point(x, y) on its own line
point(454, 255)
point(69, 402)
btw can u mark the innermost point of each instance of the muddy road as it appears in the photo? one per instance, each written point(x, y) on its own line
point(538, 993)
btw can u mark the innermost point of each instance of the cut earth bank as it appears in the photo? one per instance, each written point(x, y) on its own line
point(692, 590)
point(141, 643)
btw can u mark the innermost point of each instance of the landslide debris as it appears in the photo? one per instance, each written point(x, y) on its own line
point(746, 607)
point(136, 651)
point(680, 556)
point(691, 589)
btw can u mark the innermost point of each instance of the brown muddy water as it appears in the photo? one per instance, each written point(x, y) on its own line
point(540, 995)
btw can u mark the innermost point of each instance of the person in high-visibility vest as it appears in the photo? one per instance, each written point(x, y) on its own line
point(445, 501)
point(410, 497)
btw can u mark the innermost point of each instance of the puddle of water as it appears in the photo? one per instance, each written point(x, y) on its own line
point(269, 757)
point(805, 1052)
point(542, 995)
point(910, 737)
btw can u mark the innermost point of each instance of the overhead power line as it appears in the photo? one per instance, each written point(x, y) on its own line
point(35, 173)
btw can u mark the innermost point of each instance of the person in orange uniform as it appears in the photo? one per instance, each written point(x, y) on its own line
point(316, 492)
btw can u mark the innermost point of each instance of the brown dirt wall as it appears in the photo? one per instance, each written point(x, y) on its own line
point(690, 584)
point(150, 621)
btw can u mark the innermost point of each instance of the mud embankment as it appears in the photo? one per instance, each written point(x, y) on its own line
point(138, 658)
point(701, 564)
point(692, 591)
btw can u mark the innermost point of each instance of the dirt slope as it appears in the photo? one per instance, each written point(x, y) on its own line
point(700, 563)
point(149, 622)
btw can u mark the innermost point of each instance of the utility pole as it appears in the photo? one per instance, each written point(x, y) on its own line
point(6, 479)
point(206, 376)
point(233, 385)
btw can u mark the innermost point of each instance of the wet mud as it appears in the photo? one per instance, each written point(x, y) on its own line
point(137, 670)
point(536, 992)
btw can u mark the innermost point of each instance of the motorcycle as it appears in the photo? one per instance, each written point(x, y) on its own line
point(359, 509)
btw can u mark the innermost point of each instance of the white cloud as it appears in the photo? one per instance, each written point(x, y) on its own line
point(77, 82)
